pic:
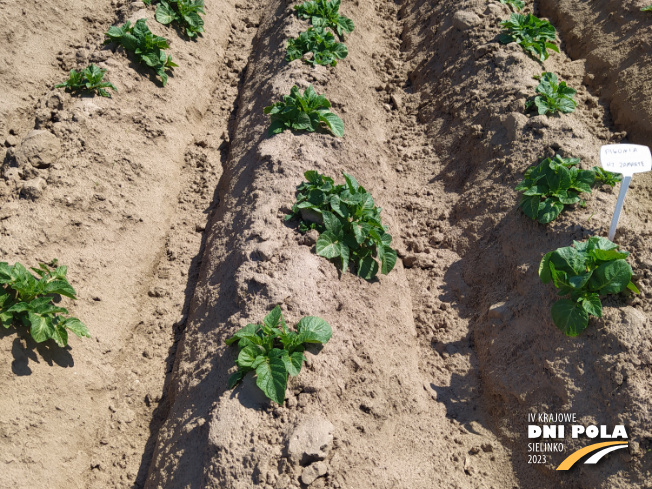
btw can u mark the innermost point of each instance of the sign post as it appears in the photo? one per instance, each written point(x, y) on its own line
point(626, 159)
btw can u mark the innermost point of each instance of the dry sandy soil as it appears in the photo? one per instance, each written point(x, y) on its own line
point(167, 206)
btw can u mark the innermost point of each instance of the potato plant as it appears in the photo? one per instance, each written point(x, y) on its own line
point(273, 351)
point(325, 13)
point(534, 35)
point(557, 182)
point(348, 221)
point(515, 5)
point(585, 271)
point(303, 112)
point(553, 96)
point(321, 43)
point(147, 47)
point(28, 300)
point(184, 13)
point(89, 80)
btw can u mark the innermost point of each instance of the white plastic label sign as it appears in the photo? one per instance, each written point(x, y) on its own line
point(626, 158)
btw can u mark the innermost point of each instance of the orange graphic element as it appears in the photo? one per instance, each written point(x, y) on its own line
point(575, 456)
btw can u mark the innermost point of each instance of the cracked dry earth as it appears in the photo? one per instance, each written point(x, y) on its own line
point(167, 205)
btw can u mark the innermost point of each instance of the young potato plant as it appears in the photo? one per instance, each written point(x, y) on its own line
point(647, 9)
point(303, 112)
point(185, 13)
point(88, 80)
point(321, 43)
point(514, 4)
point(586, 271)
point(348, 222)
point(557, 182)
point(29, 301)
point(533, 34)
point(147, 47)
point(273, 351)
point(554, 96)
point(325, 13)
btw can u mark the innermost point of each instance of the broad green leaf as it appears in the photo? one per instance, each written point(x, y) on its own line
point(569, 260)
point(313, 329)
point(247, 332)
point(549, 209)
point(569, 317)
point(41, 328)
point(165, 14)
point(592, 305)
point(327, 245)
point(544, 268)
point(271, 378)
point(334, 123)
point(608, 255)
point(293, 362)
point(273, 317)
point(235, 379)
point(77, 327)
point(60, 336)
point(530, 206)
point(388, 259)
point(367, 268)
point(611, 277)
point(247, 356)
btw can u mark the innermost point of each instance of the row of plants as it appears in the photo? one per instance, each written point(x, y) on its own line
point(147, 48)
point(586, 270)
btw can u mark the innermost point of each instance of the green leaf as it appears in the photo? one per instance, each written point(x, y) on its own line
point(334, 123)
point(530, 206)
point(611, 277)
point(271, 378)
point(165, 14)
point(549, 209)
point(293, 362)
point(313, 329)
point(328, 246)
point(592, 305)
point(633, 288)
point(248, 355)
point(249, 331)
point(544, 268)
point(569, 260)
point(77, 327)
point(387, 258)
point(273, 317)
point(569, 317)
point(367, 268)
point(235, 379)
point(41, 328)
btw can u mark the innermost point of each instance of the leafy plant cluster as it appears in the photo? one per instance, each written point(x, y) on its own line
point(533, 34)
point(90, 79)
point(557, 182)
point(321, 43)
point(586, 271)
point(553, 96)
point(303, 112)
point(349, 223)
point(274, 351)
point(515, 5)
point(325, 13)
point(148, 48)
point(184, 13)
point(28, 300)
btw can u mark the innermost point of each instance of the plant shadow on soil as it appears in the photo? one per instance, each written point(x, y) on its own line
point(24, 349)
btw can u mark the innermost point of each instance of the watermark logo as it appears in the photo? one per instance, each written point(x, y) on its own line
point(555, 426)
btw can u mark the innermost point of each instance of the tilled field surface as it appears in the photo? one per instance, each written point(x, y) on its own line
point(168, 204)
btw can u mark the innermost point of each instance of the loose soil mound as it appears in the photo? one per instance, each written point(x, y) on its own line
point(432, 369)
